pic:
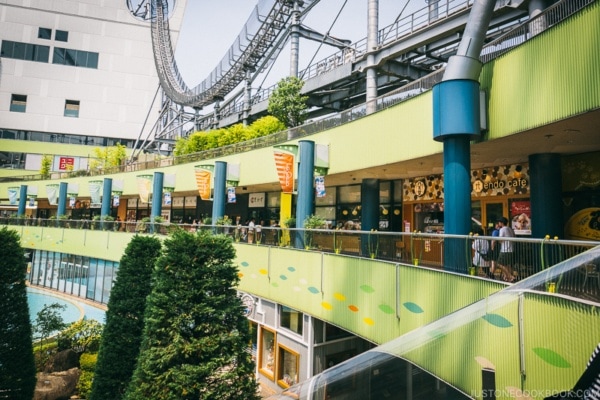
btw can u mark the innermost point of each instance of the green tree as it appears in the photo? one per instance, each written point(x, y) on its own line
point(46, 166)
point(82, 336)
point(108, 157)
point(122, 335)
point(196, 335)
point(265, 126)
point(287, 104)
point(48, 321)
point(17, 364)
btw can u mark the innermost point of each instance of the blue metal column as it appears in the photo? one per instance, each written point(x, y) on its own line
point(62, 199)
point(369, 212)
point(305, 200)
point(106, 201)
point(456, 121)
point(546, 194)
point(157, 194)
point(22, 200)
point(106, 197)
point(220, 191)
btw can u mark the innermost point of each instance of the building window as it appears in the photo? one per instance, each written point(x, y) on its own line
point(72, 108)
point(76, 58)
point(61, 36)
point(291, 319)
point(25, 51)
point(18, 103)
point(287, 370)
point(44, 33)
point(266, 361)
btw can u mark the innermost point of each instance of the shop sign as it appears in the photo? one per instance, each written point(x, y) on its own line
point(500, 180)
point(520, 216)
point(256, 200)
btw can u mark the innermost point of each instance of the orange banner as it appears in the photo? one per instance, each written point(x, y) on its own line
point(285, 170)
point(203, 182)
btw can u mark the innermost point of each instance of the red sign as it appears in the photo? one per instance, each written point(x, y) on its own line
point(66, 163)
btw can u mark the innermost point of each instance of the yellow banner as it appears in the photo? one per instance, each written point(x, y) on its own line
point(203, 178)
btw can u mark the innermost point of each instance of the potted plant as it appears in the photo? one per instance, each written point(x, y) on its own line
point(413, 238)
point(287, 235)
point(225, 222)
point(337, 242)
point(312, 222)
point(373, 243)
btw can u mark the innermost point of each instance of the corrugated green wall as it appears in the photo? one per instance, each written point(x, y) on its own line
point(553, 76)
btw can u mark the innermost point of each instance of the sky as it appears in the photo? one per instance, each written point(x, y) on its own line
point(210, 27)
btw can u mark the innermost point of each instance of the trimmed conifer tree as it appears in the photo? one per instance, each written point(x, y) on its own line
point(17, 364)
point(122, 334)
point(195, 335)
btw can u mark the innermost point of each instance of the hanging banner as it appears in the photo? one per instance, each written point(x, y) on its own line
point(96, 191)
point(72, 191)
point(169, 183)
point(284, 163)
point(144, 187)
point(72, 202)
point(116, 200)
point(320, 186)
point(203, 180)
point(231, 195)
point(52, 193)
point(13, 193)
point(167, 198)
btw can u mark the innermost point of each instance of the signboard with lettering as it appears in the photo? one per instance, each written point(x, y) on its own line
point(256, 200)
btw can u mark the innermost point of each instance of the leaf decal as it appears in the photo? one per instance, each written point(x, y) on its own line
point(291, 269)
point(367, 289)
point(551, 357)
point(497, 320)
point(386, 309)
point(413, 307)
point(313, 290)
point(244, 264)
point(283, 277)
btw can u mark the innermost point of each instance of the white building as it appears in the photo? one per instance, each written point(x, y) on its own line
point(75, 72)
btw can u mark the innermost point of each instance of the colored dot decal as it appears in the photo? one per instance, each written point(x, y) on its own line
point(263, 271)
point(386, 309)
point(244, 264)
point(240, 275)
point(353, 308)
point(339, 296)
point(291, 269)
point(297, 289)
point(412, 307)
point(283, 277)
point(497, 320)
point(369, 321)
point(551, 357)
point(303, 281)
point(253, 276)
point(275, 284)
point(313, 290)
point(326, 305)
point(367, 289)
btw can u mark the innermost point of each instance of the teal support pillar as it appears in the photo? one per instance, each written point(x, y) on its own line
point(369, 211)
point(546, 195)
point(22, 200)
point(106, 200)
point(305, 201)
point(62, 199)
point(157, 195)
point(456, 123)
point(106, 197)
point(220, 191)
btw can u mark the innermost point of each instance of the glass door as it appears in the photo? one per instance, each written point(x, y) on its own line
point(491, 212)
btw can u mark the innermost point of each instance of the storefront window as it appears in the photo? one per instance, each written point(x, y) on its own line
point(267, 353)
point(291, 319)
point(287, 372)
point(349, 194)
point(429, 217)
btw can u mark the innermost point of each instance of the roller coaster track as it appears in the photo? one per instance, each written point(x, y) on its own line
point(257, 45)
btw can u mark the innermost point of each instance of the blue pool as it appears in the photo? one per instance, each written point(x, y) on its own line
point(74, 309)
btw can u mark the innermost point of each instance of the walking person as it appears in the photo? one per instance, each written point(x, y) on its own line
point(506, 256)
point(482, 252)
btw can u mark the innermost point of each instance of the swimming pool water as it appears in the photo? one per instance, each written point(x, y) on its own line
point(74, 310)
